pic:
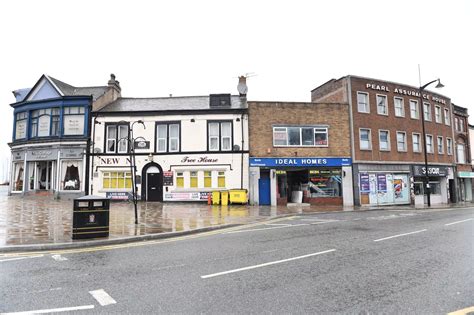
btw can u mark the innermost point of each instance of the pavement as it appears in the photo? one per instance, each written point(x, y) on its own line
point(40, 222)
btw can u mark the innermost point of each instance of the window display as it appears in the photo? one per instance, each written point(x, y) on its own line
point(71, 175)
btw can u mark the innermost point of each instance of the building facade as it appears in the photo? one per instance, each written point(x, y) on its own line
point(50, 136)
point(463, 153)
point(299, 152)
point(183, 147)
point(386, 140)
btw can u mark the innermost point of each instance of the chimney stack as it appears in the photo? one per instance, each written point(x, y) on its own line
point(114, 83)
point(242, 86)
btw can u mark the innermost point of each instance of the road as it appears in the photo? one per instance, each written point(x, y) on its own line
point(372, 262)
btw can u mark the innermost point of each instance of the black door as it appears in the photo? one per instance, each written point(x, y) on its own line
point(154, 183)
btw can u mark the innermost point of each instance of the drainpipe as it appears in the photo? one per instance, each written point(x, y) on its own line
point(88, 147)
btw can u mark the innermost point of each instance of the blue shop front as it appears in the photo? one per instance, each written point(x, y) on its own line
point(312, 180)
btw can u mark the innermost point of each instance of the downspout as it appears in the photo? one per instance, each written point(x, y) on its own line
point(88, 147)
point(93, 155)
point(242, 153)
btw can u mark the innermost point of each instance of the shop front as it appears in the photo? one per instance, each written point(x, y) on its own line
point(312, 180)
point(465, 185)
point(441, 184)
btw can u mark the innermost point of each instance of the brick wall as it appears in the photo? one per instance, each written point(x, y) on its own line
point(262, 115)
point(333, 91)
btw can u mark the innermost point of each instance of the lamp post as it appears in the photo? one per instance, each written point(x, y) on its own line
point(427, 176)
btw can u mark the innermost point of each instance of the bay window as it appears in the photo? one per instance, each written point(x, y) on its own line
point(20, 127)
point(73, 120)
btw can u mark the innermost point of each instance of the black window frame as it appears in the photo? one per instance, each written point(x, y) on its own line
point(220, 135)
point(116, 124)
point(167, 123)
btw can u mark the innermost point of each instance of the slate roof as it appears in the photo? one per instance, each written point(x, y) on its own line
point(69, 90)
point(170, 104)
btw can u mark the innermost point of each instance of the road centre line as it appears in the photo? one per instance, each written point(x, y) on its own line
point(458, 222)
point(277, 224)
point(270, 228)
point(18, 258)
point(394, 236)
point(53, 310)
point(265, 264)
point(102, 297)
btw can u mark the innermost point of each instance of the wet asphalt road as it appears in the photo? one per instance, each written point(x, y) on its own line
point(374, 262)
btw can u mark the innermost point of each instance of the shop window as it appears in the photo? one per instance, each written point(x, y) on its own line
point(440, 145)
point(435, 188)
point(71, 175)
point(449, 146)
point(219, 135)
point(414, 110)
point(18, 184)
point(167, 137)
point(401, 141)
point(365, 139)
point(21, 123)
point(193, 179)
point(179, 179)
point(73, 120)
point(382, 105)
point(117, 180)
point(221, 179)
point(438, 117)
point(399, 107)
point(447, 118)
point(207, 179)
point(300, 136)
point(117, 138)
point(416, 142)
point(363, 102)
point(427, 111)
point(325, 183)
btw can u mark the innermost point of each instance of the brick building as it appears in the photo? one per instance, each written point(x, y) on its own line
point(299, 152)
point(463, 153)
point(386, 140)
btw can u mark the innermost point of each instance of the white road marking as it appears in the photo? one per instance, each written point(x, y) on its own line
point(277, 224)
point(458, 222)
point(58, 258)
point(252, 230)
point(322, 222)
point(54, 310)
point(387, 238)
point(18, 258)
point(102, 297)
point(265, 264)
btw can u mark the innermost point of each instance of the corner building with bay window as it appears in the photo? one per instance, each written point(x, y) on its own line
point(183, 147)
point(387, 142)
point(299, 153)
point(50, 136)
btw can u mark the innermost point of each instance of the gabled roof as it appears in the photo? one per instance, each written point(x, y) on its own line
point(180, 103)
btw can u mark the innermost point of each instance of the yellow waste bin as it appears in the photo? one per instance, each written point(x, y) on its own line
point(216, 197)
point(224, 198)
point(238, 196)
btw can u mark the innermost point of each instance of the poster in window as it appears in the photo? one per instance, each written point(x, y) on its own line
point(43, 126)
point(381, 182)
point(364, 182)
point(73, 125)
point(20, 129)
point(167, 178)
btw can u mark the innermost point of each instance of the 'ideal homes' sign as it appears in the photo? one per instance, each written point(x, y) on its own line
point(298, 162)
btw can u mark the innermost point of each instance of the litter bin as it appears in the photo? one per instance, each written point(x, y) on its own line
point(238, 196)
point(90, 217)
point(216, 197)
point(224, 197)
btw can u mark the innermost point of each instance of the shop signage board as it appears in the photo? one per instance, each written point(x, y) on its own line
point(186, 196)
point(119, 195)
point(42, 155)
point(434, 171)
point(167, 178)
point(142, 145)
point(71, 153)
point(18, 156)
point(299, 162)
point(364, 182)
point(466, 174)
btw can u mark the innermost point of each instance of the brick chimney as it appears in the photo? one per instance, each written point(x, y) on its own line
point(114, 83)
point(113, 92)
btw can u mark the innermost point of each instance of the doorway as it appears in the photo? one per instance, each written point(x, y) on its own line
point(152, 188)
point(264, 188)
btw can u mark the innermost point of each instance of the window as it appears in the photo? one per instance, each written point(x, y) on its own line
point(438, 117)
point(399, 107)
point(429, 143)
point(447, 119)
point(427, 111)
point(116, 138)
point(440, 145)
point(460, 153)
point(449, 146)
point(219, 136)
point(401, 141)
point(71, 175)
point(167, 137)
point(41, 123)
point(300, 136)
point(456, 123)
point(55, 122)
point(193, 176)
point(73, 120)
point(416, 142)
point(365, 139)
point(207, 179)
point(20, 125)
point(382, 105)
point(384, 140)
point(221, 179)
point(414, 111)
point(461, 125)
point(363, 102)
point(120, 180)
point(179, 179)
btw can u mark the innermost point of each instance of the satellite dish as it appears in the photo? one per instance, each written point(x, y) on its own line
point(97, 150)
point(236, 147)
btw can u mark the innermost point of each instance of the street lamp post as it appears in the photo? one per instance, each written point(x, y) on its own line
point(427, 176)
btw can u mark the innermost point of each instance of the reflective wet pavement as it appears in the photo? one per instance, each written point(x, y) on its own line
point(40, 219)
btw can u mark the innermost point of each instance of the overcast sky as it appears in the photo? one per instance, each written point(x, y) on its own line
point(157, 48)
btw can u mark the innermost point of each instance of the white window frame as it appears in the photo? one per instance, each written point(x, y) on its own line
point(395, 98)
point(167, 139)
point(118, 145)
point(367, 105)
point(420, 148)
point(370, 139)
point(384, 97)
point(440, 142)
point(438, 115)
point(388, 140)
point(316, 130)
point(447, 118)
point(449, 146)
point(122, 145)
point(220, 137)
point(427, 144)
point(417, 109)
point(428, 116)
point(404, 149)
